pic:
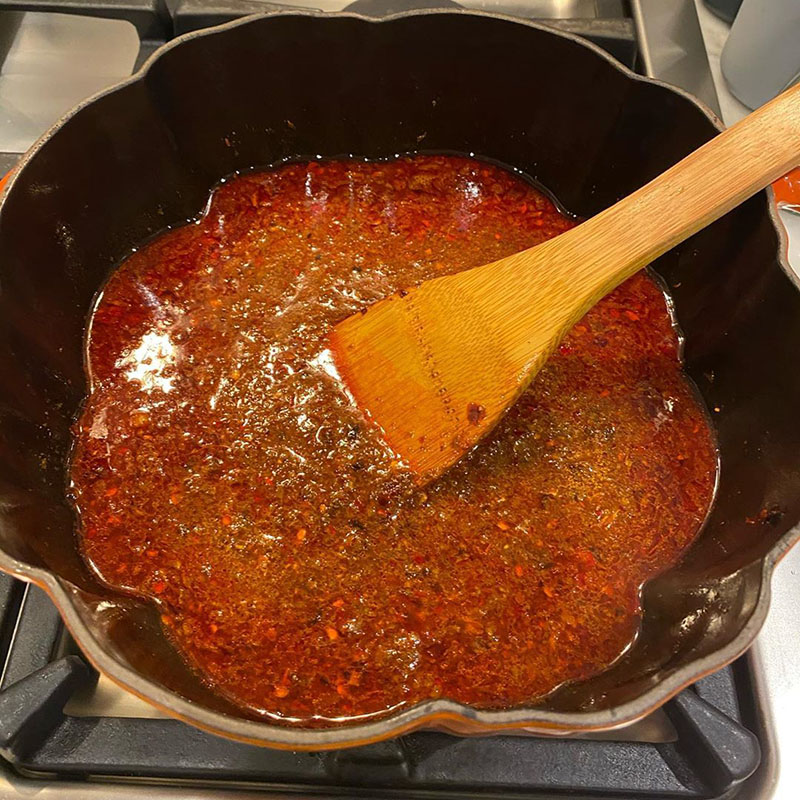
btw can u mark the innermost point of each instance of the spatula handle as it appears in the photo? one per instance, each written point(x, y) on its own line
point(693, 193)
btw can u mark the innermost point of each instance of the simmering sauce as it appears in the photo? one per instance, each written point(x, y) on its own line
point(219, 469)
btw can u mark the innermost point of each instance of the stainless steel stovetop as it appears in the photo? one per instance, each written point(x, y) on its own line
point(52, 61)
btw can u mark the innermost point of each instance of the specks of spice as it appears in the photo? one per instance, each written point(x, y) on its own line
point(139, 418)
point(295, 564)
point(475, 413)
point(767, 516)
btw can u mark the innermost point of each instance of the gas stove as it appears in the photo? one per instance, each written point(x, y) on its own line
point(65, 733)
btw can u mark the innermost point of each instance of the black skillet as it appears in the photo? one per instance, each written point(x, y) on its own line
point(255, 92)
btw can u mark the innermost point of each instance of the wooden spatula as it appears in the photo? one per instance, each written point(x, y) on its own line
point(436, 367)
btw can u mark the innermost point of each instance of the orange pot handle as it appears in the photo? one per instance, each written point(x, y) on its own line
point(4, 180)
point(787, 188)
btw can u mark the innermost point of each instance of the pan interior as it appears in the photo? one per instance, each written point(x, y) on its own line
point(281, 87)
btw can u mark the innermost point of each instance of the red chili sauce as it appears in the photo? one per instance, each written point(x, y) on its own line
point(221, 471)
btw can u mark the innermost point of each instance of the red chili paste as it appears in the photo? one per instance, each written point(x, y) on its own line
point(219, 470)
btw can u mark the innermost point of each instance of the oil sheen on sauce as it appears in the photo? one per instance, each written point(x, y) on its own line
point(219, 470)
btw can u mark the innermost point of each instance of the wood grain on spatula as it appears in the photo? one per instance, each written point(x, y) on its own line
point(436, 367)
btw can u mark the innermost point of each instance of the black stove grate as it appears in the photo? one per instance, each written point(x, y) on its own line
point(712, 754)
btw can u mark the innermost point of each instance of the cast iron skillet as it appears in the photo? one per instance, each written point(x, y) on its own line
point(254, 92)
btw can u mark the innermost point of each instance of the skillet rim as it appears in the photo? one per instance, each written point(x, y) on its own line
point(431, 713)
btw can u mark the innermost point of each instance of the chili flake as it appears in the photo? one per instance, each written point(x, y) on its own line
point(213, 407)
